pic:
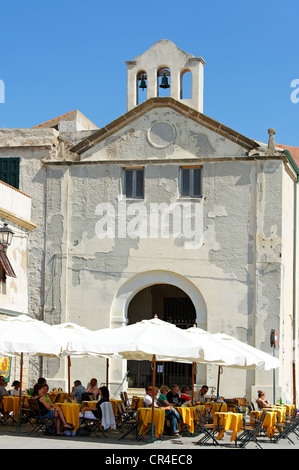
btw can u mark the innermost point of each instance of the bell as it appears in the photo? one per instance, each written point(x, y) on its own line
point(142, 84)
point(164, 83)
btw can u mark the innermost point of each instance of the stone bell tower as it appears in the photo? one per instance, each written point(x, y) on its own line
point(164, 60)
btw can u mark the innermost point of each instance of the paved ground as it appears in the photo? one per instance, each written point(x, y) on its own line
point(111, 448)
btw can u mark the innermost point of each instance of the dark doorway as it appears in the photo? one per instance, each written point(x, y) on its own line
point(173, 305)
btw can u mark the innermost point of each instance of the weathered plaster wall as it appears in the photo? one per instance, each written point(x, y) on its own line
point(238, 277)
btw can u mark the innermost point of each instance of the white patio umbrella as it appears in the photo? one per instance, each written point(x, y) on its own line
point(255, 358)
point(242, 355)
point(142, 340)
point(24, 335)
point(153, 340)
point(67, 332)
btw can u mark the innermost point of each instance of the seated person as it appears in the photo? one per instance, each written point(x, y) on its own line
point(92, 412)
point(16, 389)
point(173, 396)
point(3, 391)
point(184, 395)
point(170, 413)
point(202, 392)
point(262, 403)
point(93, 389)
point(162, 400)
point(48, 410)
point(77, 391)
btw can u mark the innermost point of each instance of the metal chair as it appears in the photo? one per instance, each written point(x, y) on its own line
point(57, 399)
point(94, 426)
point(36, 419)
point(251, 431)
point(208, 430)
point(2, 420)
point(288, 427)
point(130, 423)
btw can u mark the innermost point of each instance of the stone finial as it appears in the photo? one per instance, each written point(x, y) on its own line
point(271, 142)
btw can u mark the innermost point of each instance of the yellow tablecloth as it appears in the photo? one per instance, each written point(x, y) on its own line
point(269, 423)
point(230, 422)
point(71, 413)
point(288, 407)
point(134, 401)
point(11, 403)
point(281, 412)
point(216, 406)
point(145, 416)
point(187, 413)
point(63, 396)
point(89, 403)
point(94, 402)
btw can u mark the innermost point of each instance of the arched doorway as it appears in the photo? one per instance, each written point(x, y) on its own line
point(173, 305)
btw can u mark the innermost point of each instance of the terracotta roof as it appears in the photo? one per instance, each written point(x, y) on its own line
point(55, 119)
point(16, 189)
point(294, 151)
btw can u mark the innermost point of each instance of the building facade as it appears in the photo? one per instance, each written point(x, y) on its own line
point(163, 211)
point(15, 216)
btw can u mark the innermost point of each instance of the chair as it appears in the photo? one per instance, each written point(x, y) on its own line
point(37, 420)
point(85, 397)
point(208, 430)
point(129, 422)
point(288, 427)
point(57, 399)
point(94, 425)
point(251, 431)
point(258, 405)
point(2, 420)
point(125, 399)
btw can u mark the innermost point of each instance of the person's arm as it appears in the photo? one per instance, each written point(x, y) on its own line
point(89, 408)
point(49, 406)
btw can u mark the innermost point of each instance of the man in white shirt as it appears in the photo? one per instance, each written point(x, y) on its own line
point(170, 412)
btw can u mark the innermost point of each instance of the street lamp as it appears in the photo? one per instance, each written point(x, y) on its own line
point(6, 235)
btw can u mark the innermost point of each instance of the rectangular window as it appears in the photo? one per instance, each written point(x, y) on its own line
point(134, 183)
point(9, 171)
point(190, 182)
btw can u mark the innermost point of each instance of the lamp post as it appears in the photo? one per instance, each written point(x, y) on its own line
point(6, 235)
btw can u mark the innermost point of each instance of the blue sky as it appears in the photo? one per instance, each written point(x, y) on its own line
point(58, 56)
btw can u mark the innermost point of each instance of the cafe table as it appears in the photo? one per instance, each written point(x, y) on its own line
point(269, 422)
point(71, 413)
point(63, 396)
point(94, 402)
point(10, 404)
point(137, 400)
point(281, 413)
point(187, 413)
point(229, 421)
point(288, 407)
point(145, 416)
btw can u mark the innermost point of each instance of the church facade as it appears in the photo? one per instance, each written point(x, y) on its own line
point(166, 212)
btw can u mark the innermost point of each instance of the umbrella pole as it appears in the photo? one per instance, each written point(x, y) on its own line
point(19, 429)
point(192, 396)
point(69, 374)
point(153, 439)
point(107, 372)
point(218, 381)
